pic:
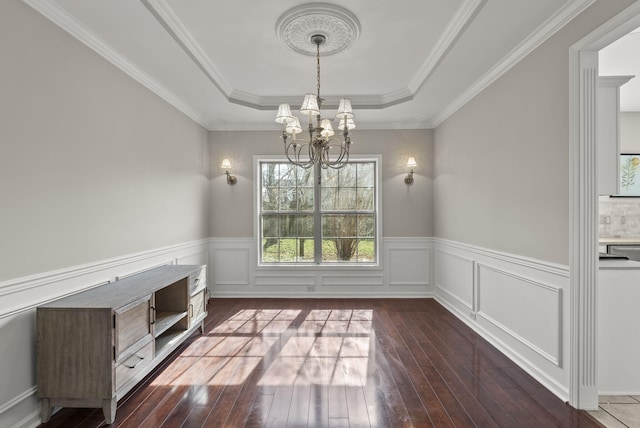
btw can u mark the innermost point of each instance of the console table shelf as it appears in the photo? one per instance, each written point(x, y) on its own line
point(166, 342)
point(165, 320)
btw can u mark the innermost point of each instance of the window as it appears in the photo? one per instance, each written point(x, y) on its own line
point(318, 216)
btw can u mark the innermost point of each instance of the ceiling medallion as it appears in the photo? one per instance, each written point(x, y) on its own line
point(297, 25)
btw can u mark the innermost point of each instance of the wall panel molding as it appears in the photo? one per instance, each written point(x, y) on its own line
point(514, 302)
point(453, 275)
point(231, 266)
point(409, 266)
point(534, 296)
point(405, 270)
point(352, 279)
point(16, 400)
point(279, 280)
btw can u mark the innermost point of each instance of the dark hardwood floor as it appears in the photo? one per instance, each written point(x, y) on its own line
point(335, 363)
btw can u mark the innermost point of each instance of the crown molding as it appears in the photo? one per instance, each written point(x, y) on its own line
point(454, 30)
point(614, 81)
point(535, 39)
point(361, 102)
point(56, 14)
point(170, 22)
point(261, 126)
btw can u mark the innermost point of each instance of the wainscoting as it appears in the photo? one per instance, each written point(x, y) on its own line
point(405, 271)
point(19, 405)
point(518, 304)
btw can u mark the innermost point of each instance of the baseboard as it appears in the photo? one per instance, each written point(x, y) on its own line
point(331, 295)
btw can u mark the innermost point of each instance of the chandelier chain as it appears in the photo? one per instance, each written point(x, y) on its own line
point(318, 62)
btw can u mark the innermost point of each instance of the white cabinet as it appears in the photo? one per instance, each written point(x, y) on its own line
point(618, 333)
point(609, 133)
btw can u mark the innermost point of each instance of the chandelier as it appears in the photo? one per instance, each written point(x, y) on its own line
point(321, 148)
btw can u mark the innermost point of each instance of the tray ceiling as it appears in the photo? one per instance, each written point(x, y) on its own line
point(222, 63)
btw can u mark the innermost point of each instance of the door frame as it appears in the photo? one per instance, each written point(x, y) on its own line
point(583, 209)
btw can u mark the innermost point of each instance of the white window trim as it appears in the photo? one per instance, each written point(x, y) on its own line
point(322, 266)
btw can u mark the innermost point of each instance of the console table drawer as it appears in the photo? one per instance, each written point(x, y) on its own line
point(198, 279)
point(126, 370)
point(133, 324)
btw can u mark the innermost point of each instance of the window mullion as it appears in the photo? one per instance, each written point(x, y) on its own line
point(317, 214)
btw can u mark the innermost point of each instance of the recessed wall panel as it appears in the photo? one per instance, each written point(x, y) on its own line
point(454, 277)
point(527, 310)
point(409, 266)
point(231, 266)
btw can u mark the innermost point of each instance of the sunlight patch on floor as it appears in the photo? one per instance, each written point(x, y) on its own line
point(328, 348)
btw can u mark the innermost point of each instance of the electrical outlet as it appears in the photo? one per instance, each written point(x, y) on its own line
point(605, 219)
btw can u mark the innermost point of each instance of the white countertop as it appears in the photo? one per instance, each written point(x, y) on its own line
point(619, 264)
point(610, 240)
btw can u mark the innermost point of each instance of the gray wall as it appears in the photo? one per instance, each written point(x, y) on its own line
point(406, 210)
point(502, 161)
point(630, 131)
point(92, 164)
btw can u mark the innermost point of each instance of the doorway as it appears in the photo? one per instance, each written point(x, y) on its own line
point(583, 209)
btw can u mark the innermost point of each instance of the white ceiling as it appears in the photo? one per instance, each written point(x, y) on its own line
point(622, 58)
point(222, 63)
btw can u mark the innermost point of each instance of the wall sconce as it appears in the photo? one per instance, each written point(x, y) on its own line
point(226, 165)
point(411, 163)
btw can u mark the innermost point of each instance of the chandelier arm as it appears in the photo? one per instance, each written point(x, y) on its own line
point(325, 156)
point(342, 159)
point(305, 164)
point(311, 152)
point(324, 162)
point(294, 148)
point(338, 163)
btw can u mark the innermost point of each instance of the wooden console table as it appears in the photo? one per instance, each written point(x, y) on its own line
point(94, 346)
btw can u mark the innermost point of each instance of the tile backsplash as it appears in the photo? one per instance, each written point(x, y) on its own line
point(619, 217)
